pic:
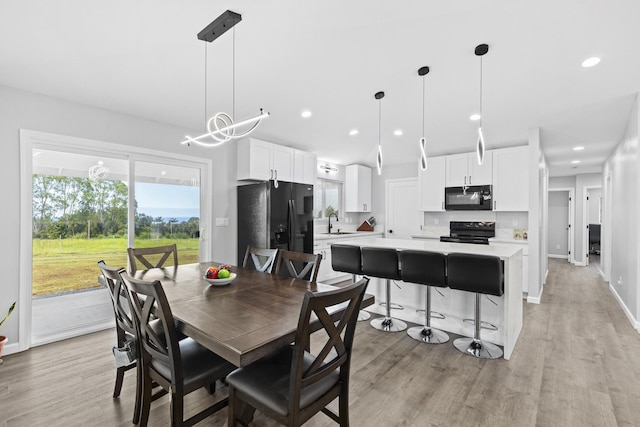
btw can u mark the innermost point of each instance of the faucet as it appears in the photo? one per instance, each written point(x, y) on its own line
point(337, 220)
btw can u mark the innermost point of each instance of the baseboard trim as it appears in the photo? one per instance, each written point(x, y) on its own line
point(558, 256)
point(10, 348)
point(634, 322)
point(535, 300)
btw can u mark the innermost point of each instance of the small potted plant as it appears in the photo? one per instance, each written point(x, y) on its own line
point(3, 339)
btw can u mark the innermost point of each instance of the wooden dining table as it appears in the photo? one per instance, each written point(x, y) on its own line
point(256, 314)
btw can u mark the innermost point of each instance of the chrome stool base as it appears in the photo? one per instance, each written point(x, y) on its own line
point(478, 348)
point(387, 324)
point(483, 324)
point(363, 315)
point(434, 314)
point(428, 335)
point(393, 306)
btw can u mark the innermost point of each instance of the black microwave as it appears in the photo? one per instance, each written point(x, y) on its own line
point(468, 198)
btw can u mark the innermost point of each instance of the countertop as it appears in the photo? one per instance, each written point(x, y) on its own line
point(504, 252)
point(358, 234)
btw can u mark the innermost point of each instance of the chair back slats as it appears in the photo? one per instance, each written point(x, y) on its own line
point(155, 324)
point(298, 265)
point(141, 255)
point(119, 297)
point(339, 334)
point(259, 259)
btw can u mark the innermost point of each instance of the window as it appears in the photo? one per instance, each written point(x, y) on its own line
point(328, 198)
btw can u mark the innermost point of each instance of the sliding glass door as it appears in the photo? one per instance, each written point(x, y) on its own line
point(90, 203)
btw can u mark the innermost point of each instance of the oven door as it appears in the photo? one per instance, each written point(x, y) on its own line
point(471, 198)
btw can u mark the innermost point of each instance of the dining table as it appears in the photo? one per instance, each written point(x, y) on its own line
point(255, 314)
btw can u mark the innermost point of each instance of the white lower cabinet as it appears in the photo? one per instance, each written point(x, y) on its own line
point(323, 247)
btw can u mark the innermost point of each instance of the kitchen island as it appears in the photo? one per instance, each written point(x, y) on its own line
point(505, 312)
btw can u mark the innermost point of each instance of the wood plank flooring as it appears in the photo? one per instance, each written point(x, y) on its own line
point(577, 363)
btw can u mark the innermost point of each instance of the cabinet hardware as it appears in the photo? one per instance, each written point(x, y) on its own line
point(469, 179)
point(465, 180)
point(495, 204)
point(270, 173)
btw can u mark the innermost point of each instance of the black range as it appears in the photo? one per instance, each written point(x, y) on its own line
point(470, 232)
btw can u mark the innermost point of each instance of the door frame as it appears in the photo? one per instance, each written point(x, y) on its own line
point(388, 184)
point(585, 214)
point(571, 255)
point(35, 139)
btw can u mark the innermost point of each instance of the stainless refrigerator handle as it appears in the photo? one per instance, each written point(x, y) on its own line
point(293, 229)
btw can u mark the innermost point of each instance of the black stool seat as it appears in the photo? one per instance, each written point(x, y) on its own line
point(430, 269)
point(383, 263)
point(348, 259)
point(481, 274)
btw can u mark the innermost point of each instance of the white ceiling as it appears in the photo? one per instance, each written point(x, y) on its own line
point(143, 58)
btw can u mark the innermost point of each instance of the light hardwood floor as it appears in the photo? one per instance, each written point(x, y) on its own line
point(577, 363)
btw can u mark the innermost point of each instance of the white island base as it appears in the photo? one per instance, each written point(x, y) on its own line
point(505, 312)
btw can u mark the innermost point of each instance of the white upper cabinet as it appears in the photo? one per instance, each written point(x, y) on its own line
point(358, 188)
point(463, 169)
point(305, 166)
point(431, 185)
point(511, 179)
point(263, 161)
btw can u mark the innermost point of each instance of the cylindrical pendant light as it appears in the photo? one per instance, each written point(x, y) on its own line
point(423, 141)
point(481, 50)
point(379, 96)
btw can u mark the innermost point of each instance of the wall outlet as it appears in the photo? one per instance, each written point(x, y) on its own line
point(436, 221)
point(222, 222)
point(514, 222)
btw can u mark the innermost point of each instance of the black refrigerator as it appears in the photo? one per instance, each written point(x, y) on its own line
point(276, 218)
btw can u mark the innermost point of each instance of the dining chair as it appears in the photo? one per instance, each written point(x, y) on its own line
point(125, 331)
point(178, 366)
point(260, 259)
point(292, 384)
point(298, 265)
point(147, 257)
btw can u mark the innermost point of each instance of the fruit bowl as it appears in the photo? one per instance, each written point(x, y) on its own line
point(220, 282)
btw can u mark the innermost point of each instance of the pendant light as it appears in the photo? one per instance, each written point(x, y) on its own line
point(423, 141)
point(481, 50)
point(379, 96)
point(221, 127)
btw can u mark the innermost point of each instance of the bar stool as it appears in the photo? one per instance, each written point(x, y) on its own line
point(481, 274)
point(383, 264)
point(348, 259)
point(430, 269)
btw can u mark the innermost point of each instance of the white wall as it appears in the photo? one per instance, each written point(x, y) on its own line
point(538, 185)
point(25, 110)
point(622, 200)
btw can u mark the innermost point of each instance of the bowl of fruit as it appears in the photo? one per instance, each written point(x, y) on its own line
point(219, 276)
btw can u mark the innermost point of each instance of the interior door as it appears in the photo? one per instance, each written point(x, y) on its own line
point(403, 217)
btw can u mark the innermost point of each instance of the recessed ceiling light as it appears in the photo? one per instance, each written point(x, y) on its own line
point(353, 132)
point(397, 132)
point(578, 148)
point(590, 62)
point(475, 117)
point(575, 162)
point(306, 114)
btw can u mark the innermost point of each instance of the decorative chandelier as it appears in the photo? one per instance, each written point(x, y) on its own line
point(480, 51)
point(379, 96)
point(221, 126)
point(423, 141)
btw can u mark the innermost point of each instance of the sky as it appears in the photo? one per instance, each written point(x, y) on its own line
point(168, 201)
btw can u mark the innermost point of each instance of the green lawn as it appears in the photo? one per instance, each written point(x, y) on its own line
point(68, 265)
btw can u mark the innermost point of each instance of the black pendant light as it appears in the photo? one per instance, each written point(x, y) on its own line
point(423, 141)
point(379, 96)
point(481, 50)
